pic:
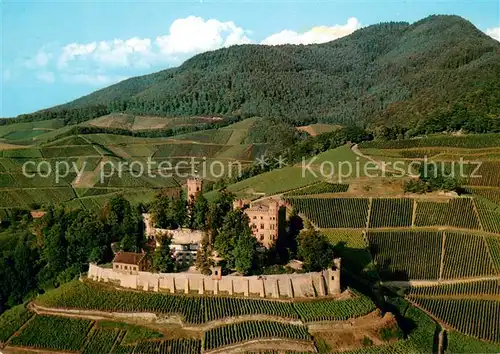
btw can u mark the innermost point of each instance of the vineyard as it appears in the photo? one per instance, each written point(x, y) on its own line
point(198, 310)
point(406, 254)
point(473, 288)
point(320, 188)
point(333, 212)
point(351, 238)
point(455, 213)
point(11, 320)
point(391, 212)
point(234, 333)
point(336, 310)
point(52, 332)
point(101, 340)
point(172, 346)
point(478, 318)
point(487, 175)
point(468, 142)
point(466, 255)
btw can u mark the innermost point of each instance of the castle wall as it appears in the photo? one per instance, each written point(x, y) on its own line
point(269, 286)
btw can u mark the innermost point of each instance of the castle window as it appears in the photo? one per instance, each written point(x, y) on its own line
point(261, 237)
point(272, 227)
point(261, 217)
point(262, 226)
point(333, 278)
point(126, 267)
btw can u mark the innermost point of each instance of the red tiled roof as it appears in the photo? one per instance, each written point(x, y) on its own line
point(129, 258)
point(37, 214)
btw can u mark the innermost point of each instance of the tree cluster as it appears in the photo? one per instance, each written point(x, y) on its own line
point(38, 255)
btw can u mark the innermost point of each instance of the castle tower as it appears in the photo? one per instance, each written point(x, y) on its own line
point(194, 186)
point(333, 279)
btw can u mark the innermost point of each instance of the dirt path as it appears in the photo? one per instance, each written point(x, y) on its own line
point(153, 320)
point(381, 164)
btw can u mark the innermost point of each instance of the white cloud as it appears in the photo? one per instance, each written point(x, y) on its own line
point(319, 34)
point(114, 53)
point(109, 61)
point(40, 60)
point(194, 35)
point(494, 33)
point(46, 76)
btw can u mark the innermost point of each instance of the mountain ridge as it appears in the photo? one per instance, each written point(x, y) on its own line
point(388, 73)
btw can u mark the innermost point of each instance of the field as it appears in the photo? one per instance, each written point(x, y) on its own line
point(468, 141)
point(455, 213)
point(391, 213)
point(477, 318)
point(406, 254)
point(466, 256)
point(11, 320)
point(320, 188)
point(92, 154)
point(198, 310)
point(333, 212)
point(53, 333)
point(230, 334)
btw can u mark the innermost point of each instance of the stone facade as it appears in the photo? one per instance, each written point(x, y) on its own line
point(194, 186)
point(305, 285)
point(264, 219)
point(180, 236)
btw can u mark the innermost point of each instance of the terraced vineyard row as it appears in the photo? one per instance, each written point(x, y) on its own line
point(50, 332)
point(458, 213)
point(466, 255)
point(406, 254)
point(11, 320)
point(197, 310)
point(468, 142)
point(392, 212)
point(351, 238)
point(320, 188)
point(334, 310)
point(478, 318)
point(488, 287)
point(488, 175)
point(333, 212)
point(172, 346)
point(234, 333)
point(402, 255)
point(101, 340)
point(490, 219)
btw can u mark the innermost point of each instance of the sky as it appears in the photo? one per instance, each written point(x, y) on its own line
point(55, 51)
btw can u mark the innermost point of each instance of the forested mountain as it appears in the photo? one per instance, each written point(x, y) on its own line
point(386, 73)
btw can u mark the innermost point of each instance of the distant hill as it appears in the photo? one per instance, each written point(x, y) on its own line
point(385, 73)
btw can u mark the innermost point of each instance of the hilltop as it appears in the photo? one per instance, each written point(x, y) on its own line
point(380, 74)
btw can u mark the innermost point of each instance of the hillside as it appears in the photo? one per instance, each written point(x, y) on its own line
point(390, 72)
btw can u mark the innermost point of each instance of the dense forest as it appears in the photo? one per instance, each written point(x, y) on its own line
point(431, 71)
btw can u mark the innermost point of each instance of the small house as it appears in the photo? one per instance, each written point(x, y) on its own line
point(130, 262)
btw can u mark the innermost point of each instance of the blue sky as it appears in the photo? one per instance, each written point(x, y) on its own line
point(53, 52)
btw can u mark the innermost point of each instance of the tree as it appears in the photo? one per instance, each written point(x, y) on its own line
point(203, 260)
point(218, 209)
point(199, 213)
point(315, 250)
point(235, 225)
point(163, 260)
point(244, 253)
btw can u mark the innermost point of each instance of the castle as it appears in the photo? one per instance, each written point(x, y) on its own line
point(264, 219)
